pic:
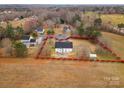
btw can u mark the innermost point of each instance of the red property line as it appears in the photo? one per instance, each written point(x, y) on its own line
point(77, 59)
point(105, 47)
point(42, 46)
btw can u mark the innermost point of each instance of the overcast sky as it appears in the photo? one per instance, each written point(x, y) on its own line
point(61, 1)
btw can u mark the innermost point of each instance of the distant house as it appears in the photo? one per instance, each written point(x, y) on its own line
point(28, 41)
point(63, 47)
point(61, 37)
point(16, 19)
point(33, 42)
point(39, 30)
point(66, 29)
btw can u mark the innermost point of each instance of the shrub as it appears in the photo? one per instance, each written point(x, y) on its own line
point(50, 32)
point(121, 25)
point(92, 32)
point(34, 35)
point(97, 22)
point(20, 49)
point(19, 32)
point(9, 33)
point(62, 21)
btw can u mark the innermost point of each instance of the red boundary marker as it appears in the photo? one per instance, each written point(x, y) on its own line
point(77, 59)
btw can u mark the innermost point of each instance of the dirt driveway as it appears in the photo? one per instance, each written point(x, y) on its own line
point(30, 72)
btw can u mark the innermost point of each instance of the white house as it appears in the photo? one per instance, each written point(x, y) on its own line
point(63, 47)
point(33, 42)
point(66, 29)
point(28, 41)
point(39, 30)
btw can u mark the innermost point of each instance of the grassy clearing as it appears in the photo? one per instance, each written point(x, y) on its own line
point(106, 57)
point(15, 23)
point(113, 18)
point(77, 42)
point(117, 42)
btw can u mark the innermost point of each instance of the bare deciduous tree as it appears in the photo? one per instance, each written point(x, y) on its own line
point(6, 47)
point(30, 24)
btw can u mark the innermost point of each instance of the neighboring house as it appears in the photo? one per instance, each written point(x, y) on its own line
point(33, 42)
point(66, 29)
point(39, 30)
point(63, 47)
point(60, 37)
point(28, 41)
point(16, 19)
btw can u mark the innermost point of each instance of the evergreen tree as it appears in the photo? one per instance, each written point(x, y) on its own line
point(92, 32)
point(50, 32)
point(9, 33)
point(97, 22)
point(80, 30)
point(20, 49)
point(19, 32)
point(2, 31)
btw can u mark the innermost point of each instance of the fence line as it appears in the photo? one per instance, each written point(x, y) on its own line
point(78, 59)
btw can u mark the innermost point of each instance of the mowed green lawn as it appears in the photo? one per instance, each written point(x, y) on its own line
point(113, 18)
point(117, 43)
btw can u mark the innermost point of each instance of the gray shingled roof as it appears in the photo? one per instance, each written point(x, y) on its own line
point(25, 37)
point(61, 36)
point(63, 45)
point(32, 40)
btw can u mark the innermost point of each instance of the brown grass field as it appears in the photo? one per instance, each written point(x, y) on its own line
point(117, 43)
point(113, 18)
point(30, 72)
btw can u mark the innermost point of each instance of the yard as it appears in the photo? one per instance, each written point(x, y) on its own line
point(78, 44)
point(117, 43)
point(29, 72)
point(115, 19)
